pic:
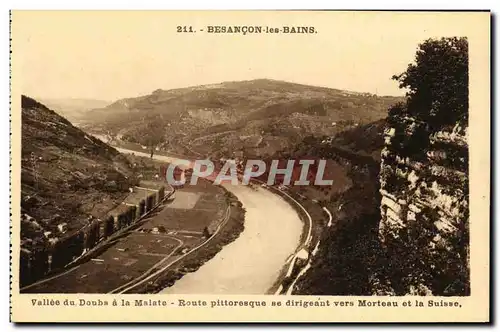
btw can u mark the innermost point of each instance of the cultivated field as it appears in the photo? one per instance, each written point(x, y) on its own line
point(170, 231)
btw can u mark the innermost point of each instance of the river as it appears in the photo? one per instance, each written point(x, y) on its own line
point(251, 264)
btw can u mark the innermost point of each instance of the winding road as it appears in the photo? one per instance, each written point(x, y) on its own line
point(308, 265)
point(148, 275)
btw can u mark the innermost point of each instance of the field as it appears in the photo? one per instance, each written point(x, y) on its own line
point(170, 231)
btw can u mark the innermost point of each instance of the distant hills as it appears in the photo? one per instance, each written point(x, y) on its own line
point(73, 109)
point(66, 175)
point(251, 118)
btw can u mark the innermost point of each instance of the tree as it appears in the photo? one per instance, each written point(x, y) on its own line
point(154, 134)
point(438, 82)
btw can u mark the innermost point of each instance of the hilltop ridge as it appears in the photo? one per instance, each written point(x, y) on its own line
point(255, 117)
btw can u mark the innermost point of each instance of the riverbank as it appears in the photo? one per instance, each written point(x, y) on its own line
point(230, 228)
point(248, 264)
point(252, 263)
point(285, 278)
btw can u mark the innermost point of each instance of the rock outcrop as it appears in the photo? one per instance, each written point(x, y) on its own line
point(424, 207)
point(424, 178)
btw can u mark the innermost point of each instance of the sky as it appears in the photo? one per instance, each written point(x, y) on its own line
point(112, 55)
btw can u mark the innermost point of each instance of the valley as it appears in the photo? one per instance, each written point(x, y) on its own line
point(315, 239)
point(267, 119)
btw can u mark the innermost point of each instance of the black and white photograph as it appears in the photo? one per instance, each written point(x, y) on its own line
point(286, 154)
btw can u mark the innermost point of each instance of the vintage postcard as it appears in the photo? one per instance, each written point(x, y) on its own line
point(250, 166)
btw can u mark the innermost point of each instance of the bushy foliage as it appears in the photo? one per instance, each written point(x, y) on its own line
point(438, 82)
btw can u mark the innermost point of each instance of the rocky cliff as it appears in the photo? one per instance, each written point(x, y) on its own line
point(424, 181)
point(424, 207)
